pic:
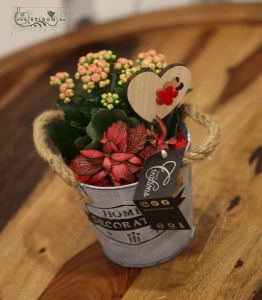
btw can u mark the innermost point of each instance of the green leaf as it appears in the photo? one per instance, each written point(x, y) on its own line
point(172, 121)
point(82, 141)
point(113, 82)
point(76, 125)
point(63, 136)
point(72, 114)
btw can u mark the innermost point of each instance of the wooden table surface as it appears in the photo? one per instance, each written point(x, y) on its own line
point(47, 248)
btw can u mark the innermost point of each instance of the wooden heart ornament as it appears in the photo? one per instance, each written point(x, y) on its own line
point(152, 94)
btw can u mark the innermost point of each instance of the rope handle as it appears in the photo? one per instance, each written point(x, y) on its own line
point(41, 141)
point(42, 145)
point(203, 151)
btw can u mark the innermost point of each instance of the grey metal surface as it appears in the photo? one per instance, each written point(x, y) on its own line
point(123, 232)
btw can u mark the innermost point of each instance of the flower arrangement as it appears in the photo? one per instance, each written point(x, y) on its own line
point(103, 140)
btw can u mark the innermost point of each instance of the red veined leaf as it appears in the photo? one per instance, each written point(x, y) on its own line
point(163, 146)
point(135, 160)
point(104, 139)
point(113, 147)
point(107, 164)
point(121, 156)
point(133, 168)
point(122, 172)
point(116, 132)
point(107, 148)
point(136, 138)
point(123, 143)
point(92, 153)
point(98, 177)
point(172, 141)
point(83, 179)
point(84, 167)
point(147, 152)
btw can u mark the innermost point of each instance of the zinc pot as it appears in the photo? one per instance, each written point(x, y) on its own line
point(122, 230)
point(126, 237)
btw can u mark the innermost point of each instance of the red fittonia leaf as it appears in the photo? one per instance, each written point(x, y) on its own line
point(123, 143)
point(172, 141)
point(107, 164)
point(147, 152)
point(121, 156)
point(135, 160)
point(116, 132)
point(98, 177)
point(92, 153)
point(107, 148)
point(83, 166)
point(122, 172)
point(136, 139)
point(83, 179)
point(133, 168)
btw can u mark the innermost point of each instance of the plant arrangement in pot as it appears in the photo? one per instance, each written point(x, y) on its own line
point(102, 138)
point(119, 130)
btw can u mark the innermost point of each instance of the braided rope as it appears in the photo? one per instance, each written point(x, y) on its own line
point(41, 141)
point(202, 151)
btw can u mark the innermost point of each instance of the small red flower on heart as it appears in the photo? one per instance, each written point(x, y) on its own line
point(166, 95)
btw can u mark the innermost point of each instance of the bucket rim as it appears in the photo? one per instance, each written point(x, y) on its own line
point(95, 187)
point(126, 186)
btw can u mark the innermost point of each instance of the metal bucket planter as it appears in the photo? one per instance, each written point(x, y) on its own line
point(123, 232)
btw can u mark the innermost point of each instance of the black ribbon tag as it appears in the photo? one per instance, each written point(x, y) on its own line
point(154, 195)
point(159, 176)
point(164, 214)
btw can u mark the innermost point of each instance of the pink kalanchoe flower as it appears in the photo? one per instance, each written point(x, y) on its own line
point(95, 77)
point(152, 60)
point(63, 87)
point(92, 68)
point(65, 84)
point(81, 70)
point(69, 93)
point(103, 75)
point(85, 78)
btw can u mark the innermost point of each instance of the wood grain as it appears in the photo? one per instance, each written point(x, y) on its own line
point(47, 248)
point(91, 270)
point(144, 85)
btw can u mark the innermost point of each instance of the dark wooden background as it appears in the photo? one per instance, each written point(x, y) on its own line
point(47, 248)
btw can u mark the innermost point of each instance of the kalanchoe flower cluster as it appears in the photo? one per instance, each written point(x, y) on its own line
point(93, 75)
point(107, 55)
point(126, 68)
point(65, 84)
point(125, 151)
point(93, 69)
point(152, 60)
point(109, 100)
